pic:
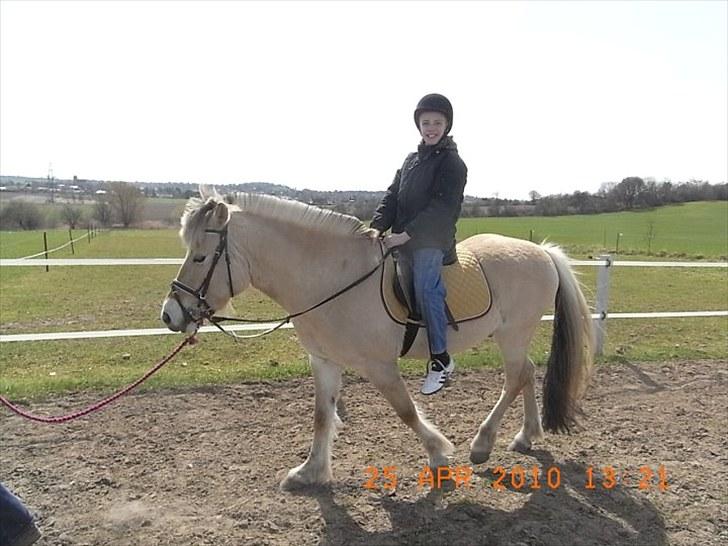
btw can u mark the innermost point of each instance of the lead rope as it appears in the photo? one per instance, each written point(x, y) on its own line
point(98, 405)
point(188, 340)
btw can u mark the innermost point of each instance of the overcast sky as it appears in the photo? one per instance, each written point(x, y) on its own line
point(548, 96)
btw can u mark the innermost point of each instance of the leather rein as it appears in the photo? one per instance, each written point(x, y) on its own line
point(205, 312)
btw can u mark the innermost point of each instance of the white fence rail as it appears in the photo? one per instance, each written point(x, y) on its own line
point(96, 334)
point(24, 262)
point(600, 317)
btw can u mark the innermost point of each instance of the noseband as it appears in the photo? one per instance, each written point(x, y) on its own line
point(204, 311)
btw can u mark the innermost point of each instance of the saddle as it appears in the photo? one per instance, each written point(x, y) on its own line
point(468, 294)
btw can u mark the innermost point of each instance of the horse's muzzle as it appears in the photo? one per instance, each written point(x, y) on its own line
point(172, 316)
point(166, 319)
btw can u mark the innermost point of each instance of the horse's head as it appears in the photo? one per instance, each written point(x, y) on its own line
point(212, 272)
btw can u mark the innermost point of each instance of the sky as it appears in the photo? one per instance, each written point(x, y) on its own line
point(551, 97)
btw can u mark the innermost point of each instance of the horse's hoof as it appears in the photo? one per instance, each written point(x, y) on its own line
point(292, 483)
point(434, 464)
point(298, 479)
point(479, 457)
point(519, 446)
point(520, 443)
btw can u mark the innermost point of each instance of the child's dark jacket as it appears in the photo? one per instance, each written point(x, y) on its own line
point(425, 197)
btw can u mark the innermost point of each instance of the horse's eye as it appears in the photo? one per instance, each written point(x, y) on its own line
point(198, 259)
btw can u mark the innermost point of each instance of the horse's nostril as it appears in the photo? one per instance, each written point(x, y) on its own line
point(165, 318)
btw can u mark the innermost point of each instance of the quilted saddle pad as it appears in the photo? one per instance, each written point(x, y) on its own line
point(468, 293)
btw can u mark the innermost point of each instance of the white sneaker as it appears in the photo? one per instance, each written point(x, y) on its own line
point(437, 375)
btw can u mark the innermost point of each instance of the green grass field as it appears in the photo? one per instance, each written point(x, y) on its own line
point(91, 298)
point(690, 230)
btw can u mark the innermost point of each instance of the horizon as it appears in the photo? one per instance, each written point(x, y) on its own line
point(345, 190)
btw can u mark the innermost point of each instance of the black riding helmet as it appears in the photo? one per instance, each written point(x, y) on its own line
point(434, 102)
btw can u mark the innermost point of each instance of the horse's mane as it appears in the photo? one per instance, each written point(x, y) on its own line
point(287, 211)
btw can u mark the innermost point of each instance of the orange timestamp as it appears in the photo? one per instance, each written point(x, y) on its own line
point(605, 477)
point(522, 478)
point(434, 478)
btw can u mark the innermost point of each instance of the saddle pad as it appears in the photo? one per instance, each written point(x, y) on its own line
point(468, 293)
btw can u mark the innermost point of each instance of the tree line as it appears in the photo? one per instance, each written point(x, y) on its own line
point(123, 203)
point(631, 193)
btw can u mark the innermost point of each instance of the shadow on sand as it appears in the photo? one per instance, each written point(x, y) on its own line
point(569, 514)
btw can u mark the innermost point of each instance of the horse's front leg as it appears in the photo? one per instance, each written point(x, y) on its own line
point(386, 377)
point(316, 469)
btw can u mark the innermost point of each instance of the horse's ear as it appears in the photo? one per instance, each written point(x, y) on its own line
point(219, 217)
point(207, 192)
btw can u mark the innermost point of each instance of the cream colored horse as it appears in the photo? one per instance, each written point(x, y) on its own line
point(299, 255)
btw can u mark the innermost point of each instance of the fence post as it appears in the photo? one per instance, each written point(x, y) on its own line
point(602, 299)
point(70, 238)
point(45, 247)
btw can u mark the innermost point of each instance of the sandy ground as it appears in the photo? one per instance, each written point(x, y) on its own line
point(202, 467)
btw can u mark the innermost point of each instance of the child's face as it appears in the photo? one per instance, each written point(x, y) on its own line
point(432, 127)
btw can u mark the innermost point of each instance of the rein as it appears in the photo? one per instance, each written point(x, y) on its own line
point(215, 320)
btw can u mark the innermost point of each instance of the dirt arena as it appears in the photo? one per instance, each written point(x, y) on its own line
point(202, 467)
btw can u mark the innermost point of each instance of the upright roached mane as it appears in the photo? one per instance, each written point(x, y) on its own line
point(299, 254)
point(295, 213)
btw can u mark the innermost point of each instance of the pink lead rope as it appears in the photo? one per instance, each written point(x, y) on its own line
point(98, 405)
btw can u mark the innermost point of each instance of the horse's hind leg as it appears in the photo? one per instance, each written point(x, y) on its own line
point(519, 376)
point(531, 429)
point(387, 379)
point(316, 469)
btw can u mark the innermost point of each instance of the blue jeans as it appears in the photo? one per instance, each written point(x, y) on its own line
point(426, 265)
point(14, 517)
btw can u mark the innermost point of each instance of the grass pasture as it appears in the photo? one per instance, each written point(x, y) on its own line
point(18, 244)
point(95, 298)
point(690, 230)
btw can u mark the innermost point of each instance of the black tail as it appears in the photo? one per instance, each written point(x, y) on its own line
point(570, 362)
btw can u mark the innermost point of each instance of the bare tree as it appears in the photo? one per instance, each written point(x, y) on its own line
point(127, 202)
point(580, 201)
point(650, 235)
point(102, 212)
point(71, 215)
point(20, 214)
point(628, 190)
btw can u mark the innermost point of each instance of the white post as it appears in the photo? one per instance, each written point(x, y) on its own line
point(602, 298)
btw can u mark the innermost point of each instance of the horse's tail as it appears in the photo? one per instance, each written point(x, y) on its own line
point(570, 362)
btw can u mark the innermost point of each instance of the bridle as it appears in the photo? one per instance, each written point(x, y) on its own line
point(203, 310)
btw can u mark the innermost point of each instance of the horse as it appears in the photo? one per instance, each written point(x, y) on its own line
point(299, 255)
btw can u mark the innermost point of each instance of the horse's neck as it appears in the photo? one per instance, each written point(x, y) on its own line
point(297, 269)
